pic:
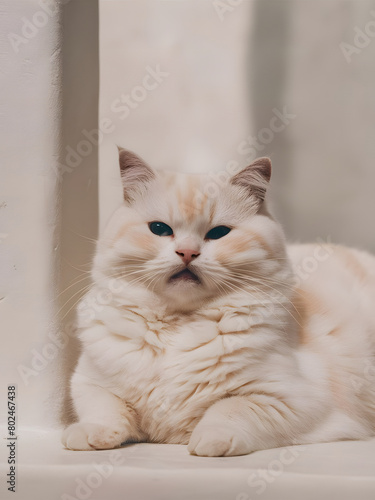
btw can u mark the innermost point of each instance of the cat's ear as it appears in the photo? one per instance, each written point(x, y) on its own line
point(135, 174)
point(255, 178)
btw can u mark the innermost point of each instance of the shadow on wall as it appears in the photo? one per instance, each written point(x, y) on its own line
point(267, 75)
point(314, 59)
point(79, 186)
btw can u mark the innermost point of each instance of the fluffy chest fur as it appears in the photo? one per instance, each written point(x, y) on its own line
point(171, 368)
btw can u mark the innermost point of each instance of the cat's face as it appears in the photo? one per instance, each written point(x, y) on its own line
point(187, 238)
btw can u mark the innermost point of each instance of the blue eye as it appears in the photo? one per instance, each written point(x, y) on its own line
point(160, 229)
point(217, 232)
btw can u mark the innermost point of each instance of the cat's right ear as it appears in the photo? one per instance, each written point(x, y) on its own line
point(135, 174)
point(255, 178)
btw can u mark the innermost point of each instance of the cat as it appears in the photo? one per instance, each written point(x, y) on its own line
point(203, 328)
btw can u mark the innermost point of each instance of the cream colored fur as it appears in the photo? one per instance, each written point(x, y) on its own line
point(275, 346)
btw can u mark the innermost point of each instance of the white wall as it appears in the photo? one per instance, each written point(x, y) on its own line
point(228, 70)
point(195, 117)
point(324, 172)
point(49, 92)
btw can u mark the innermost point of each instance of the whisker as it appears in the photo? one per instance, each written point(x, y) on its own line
point(83, 236)
point(282, 305)
point(82, 291)
point(235, 288)
point(74, 283)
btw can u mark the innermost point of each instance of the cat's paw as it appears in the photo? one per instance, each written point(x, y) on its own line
point(223, 440)
point(86, 436)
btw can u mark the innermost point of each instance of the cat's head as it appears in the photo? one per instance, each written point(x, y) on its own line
point(189, 238)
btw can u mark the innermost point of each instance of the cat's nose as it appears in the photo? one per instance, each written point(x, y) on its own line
point(187, 255)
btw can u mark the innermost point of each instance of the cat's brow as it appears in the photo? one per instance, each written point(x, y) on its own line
point(193, 200)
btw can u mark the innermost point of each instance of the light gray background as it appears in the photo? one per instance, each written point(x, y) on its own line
point(226, 75)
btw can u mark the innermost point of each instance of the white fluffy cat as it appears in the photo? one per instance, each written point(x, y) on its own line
point(202, 327)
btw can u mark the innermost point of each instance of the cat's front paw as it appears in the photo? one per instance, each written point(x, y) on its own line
point(222, 440)
point(86, 436)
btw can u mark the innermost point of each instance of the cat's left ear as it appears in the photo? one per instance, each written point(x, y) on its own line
point(135, 174)
point(255, 178)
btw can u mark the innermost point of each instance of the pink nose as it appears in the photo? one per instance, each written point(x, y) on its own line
point(187, 255)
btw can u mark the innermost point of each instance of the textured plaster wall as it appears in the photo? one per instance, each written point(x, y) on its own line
point(49, 92)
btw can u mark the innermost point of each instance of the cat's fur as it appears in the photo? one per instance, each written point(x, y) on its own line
point(274, 346)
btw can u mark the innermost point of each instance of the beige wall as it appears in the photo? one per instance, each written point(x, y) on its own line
point(197, 114)
point(48, 208)
point(228, 71)
point(324, 163)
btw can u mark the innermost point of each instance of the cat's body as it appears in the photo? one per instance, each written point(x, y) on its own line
point(263, 346)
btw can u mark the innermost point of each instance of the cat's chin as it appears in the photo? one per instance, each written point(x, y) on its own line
point(184, 291)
